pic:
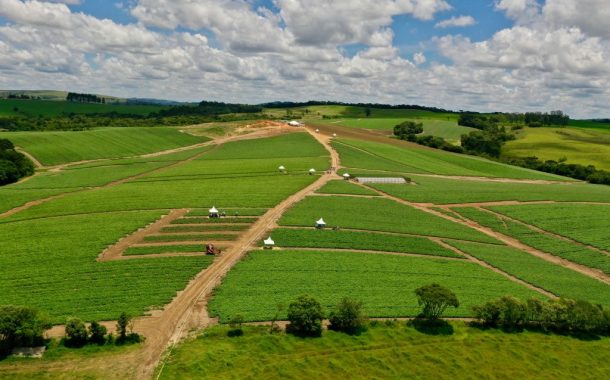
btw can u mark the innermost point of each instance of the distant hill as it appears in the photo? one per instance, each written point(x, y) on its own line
point(52, 95)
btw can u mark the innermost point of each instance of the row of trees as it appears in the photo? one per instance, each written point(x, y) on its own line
point(13, 165)
point(206, 108)
point(531, 119)
point(84, 98)
point(585, 173)
point(79, 335)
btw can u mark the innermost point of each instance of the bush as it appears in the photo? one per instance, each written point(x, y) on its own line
point(97, 333)
point(76, 333)
point(235, 324)
point(305, 316)
point(488, 313)
point(348, 317)
point(122, 327)
point(434, 299)
point(21, 327)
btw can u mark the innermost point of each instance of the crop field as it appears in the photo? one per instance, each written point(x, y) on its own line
point(586, 223)
point(551, 277)
point(590, 124)
point(229, 212)
point(19, 107)
point(312, 238)
point(203, 228)
point(577, 145)
point(390, 157)
point(384, 283)
point(376, 215)
point(340, 111)
point(53, 148)
point(446, 128)
point(160, 249)
point(564, 249)
point(344, 187)
point(434, 190)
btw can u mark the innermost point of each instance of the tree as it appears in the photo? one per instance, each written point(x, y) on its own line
point(21, 327)
point(513, 311)
point(6, 144)
point(488, 313)
point(367, 111)
point(407, 130)
point(235, 324)
point(347, 317)
point(97, 333)
point(434, 299)
point(305, 316)
point(8, 172)
point(122, 325)
point(76, 333)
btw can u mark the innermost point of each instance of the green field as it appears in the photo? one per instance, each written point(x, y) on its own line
point(53, 148)
point(586, 223)
point(388, 352)
point(445, 127)
point(312, 238)
point(340, 111)
point(556, 279)
point(376, 215)
point(577, 145)
point(29, 108)
point(384, 283)
point(564, 249)
point(344, 187)
point(589, 124)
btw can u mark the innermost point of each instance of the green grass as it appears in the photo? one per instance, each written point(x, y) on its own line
point(206, 220)
point(160, 249)
point(586, 223)
point(431, 161)
point(190, 237)
point(388, 352)
point(58, 108)
point(205, 228)
point(53, 148)
point(564, 249)
point(551, 277)
point(312, 238)
point(50, 264)
point(384, 283)
point(435, 190)
point(376, 215)
point(589, 124)
point(344, 187)
point(577, 145)
point(339, 111)
point(446, 128)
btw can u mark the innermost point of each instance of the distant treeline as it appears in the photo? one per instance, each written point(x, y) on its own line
point(208, 108)
point(363, 105)
point(531, 119)
point(84, 98)
point(23, 97)
point(13, 165)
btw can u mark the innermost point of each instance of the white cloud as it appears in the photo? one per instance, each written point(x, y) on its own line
point(520, 10)
point(459, 21)
point(419, 58)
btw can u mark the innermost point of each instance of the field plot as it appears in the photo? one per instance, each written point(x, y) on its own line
point(384, 283)
point(434, 190)
point(380, 156)
point(446, 128)
point(18, 107)
point(586, 223)
point(53, 148)
point(556, 279)
point(345, 187)
point(376, 215)
point(570, 251)
point(311, 238)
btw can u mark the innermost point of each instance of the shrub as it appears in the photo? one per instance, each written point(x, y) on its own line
point(97, 333)
point(434, 299)
point(21, 327)
point(76, 333)
point(488, 313)
point(305, 316)
point(125, 336)
point(235, 324)
point(347, 317)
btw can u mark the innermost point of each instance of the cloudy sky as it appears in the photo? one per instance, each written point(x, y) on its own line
point(505, 55)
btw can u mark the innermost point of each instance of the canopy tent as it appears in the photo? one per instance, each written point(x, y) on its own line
point(213, 212)
point(281, 168)
point(312, 171)
point(346, 176)
point(320, 223)
point(269, 242)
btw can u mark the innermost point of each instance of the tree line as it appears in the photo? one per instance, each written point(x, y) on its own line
point(85, 98)
point(530, 119)
point(13, 165)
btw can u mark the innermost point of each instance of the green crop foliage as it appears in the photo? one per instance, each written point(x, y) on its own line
point(190, 237)
point(435, 190)
point(312, 238)
point(230, 212)
point(384, 283)
point(586, 223)
point(160, 249)
point(564, 249)
point(58, 108)
point(53, 148)
point(204, 228)
point(344, 187)
point(384, 156)
point(556, 279)
point(376, 215)
point(206, 220)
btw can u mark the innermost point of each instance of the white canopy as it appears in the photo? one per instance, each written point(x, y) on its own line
point(213, 210)
point(317, 130)
point(334, 135)
point(282, 167)
point(269, 241)
point(294, 123)
point(321, 222)
point(312, 170)
point(346, 175)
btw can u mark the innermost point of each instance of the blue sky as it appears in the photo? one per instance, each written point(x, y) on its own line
point(504, 55)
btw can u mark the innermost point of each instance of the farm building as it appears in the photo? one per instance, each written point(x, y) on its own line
point(213, 212)
point(320, 224)
point(382, 180)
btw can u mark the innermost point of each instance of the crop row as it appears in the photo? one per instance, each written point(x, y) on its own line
point(205, 228)
point(159, 249)
point(344, 187)
point(190, 237)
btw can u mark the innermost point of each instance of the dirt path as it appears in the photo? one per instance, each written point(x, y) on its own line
point(34, 160)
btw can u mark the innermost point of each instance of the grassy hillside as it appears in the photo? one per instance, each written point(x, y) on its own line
point(19, 107)
point(53, 148)
point(388, 352)
point(578, 146)
point(589, 124)
point(339, 111)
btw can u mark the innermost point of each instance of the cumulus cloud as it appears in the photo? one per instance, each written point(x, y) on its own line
point(459, 21)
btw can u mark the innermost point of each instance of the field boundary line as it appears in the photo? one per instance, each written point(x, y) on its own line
point(370, 251)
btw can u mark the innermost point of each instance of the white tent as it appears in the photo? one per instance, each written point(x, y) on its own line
point(269, 242)
point(312, 171)
point(213, 210)
point(294, 123)
point(334, 135)
point(281, 168)
point(320, 223)
point(346, 176)
point(317, 130)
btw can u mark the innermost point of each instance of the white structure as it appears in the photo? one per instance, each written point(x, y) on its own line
point(346, 176)
point(282, 168)
point(294, 123)
point(312, 171)
point(317, 130)
point(320, 223)
point(213, 212)
point(390, 180)
point(269, 243)
point(334, 135)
